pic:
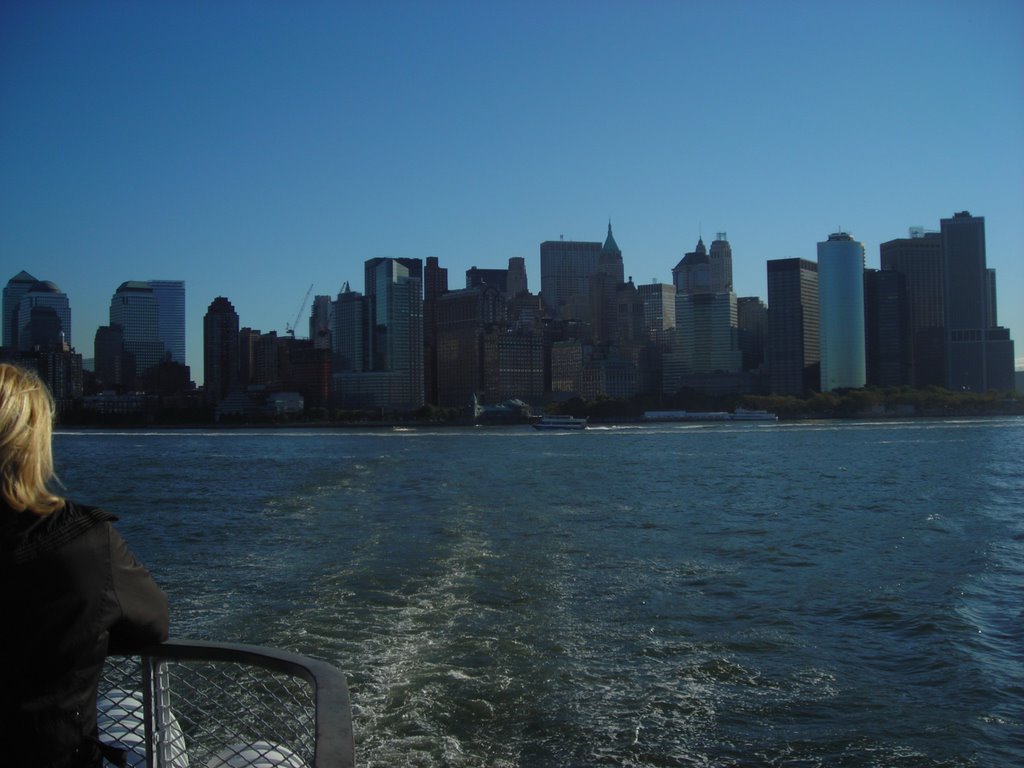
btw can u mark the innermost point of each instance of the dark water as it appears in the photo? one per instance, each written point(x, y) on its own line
point(786, 595)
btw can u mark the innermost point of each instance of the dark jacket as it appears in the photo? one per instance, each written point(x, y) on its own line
point(70, 591)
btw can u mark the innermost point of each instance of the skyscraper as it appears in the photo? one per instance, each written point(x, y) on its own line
point(220, 349)
point(793, 347)
point(841, 307)
point(134, 308)
point(16, 287)
point(609, 260)
point(887, 334)
point(720, 257)
point(918, 259)
point(170, 299)
point(517, 283)
point(659, 307)
point(320, 322)
point(979, 353)
point(435, 285)
point(565, 270)
point(44, 317)
point(349, 335)
point(394, 338)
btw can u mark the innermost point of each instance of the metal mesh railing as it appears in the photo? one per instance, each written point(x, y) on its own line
point(213, 705)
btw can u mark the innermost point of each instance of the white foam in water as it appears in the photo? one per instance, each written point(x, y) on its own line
point(259, 754)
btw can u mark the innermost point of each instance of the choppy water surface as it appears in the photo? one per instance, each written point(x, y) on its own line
point(812, 594)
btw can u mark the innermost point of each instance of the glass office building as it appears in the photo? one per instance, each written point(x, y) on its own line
point(841, 307)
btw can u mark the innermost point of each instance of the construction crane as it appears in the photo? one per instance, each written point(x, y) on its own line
point(290, 329)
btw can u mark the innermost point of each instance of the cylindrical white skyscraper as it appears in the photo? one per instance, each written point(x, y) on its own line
point(841, 307)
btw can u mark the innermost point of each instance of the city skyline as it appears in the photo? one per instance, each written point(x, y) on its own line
point(254, 154)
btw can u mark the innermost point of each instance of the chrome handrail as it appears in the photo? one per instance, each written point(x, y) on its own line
point(333, 737)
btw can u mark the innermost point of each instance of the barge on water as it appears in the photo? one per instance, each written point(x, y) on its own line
point(741, 414)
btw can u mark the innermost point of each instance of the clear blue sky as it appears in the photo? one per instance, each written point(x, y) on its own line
point(252, 149)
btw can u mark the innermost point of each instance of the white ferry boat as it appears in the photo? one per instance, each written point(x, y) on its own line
point(560, 422)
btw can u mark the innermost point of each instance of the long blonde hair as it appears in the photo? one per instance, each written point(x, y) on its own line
point(26, 456)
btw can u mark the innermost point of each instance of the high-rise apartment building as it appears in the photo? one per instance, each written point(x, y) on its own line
point(918, 259)
point(220, 349)
point(793, 348)
point(979, 353)
point(565, 270)
point(16, 287)
point(170, 299)
point(841, 312)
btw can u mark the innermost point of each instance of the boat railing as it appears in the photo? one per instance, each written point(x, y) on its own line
point(193, 704)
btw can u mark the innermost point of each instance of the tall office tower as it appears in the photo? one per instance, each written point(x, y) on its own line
point(609, 260)
point(720, 257)
point(110, 360)
point(565, 270)
point(220, 349)
point(248, 340)
point(44, 318)
point(396, 327)
point(887, 335)
point(16, 287)
point(413, 267)
point(170, 298)
point(320, 322)
point(462, 317)
point(497, 277)
point(435, 285)
point(752, 324)
point(841, 307)
point(919, 259)
point(693, 272)
point(979, 353)
point(517, 283)
point(793, 350)
point(659, 307)
point(134, 308)
point(349, 331)
point(630, 315)
point(706, 340)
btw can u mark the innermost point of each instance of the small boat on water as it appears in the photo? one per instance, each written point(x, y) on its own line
point(560, 422)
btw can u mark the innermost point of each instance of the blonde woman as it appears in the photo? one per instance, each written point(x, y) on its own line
point(70, 591)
